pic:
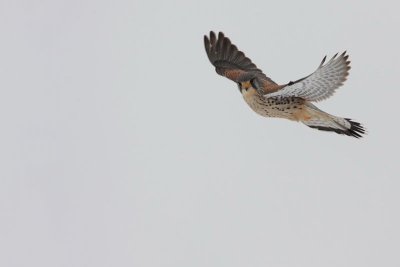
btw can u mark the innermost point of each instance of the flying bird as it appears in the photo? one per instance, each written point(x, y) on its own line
point(291, 101)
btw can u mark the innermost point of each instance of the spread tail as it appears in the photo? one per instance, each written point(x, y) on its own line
point(325, 122)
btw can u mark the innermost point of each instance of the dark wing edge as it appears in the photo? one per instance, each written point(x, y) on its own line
point(228, 60)
point(225, 55)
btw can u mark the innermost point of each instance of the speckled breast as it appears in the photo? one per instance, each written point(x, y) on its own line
point(274, 107)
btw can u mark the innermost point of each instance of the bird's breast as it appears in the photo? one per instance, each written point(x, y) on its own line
point(273, 107)
point(255, 101)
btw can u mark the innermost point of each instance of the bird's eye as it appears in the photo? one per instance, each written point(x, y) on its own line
point(253, 83)
point(239, 85)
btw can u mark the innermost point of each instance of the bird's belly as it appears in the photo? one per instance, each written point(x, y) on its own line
point(274, 107)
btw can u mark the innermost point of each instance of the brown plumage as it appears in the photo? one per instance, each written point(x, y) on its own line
point(290, 101)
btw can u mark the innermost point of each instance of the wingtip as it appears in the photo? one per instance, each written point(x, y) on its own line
point(213, 37)
point(221, 35)
point(322, 62)
point(206, 44)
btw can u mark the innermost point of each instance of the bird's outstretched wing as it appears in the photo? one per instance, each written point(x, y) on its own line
point(232, 63)
point(321, 84)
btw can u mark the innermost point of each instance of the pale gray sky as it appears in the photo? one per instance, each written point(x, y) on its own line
point(121, 146)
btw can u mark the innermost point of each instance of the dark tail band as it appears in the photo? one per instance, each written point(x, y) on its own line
point(356, 129)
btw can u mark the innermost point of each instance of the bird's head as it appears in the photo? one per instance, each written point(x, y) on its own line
point(248, 84)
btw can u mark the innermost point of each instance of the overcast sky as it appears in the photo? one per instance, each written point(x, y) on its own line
point(121, 146)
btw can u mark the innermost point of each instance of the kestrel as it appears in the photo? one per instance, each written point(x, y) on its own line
point(290, 101)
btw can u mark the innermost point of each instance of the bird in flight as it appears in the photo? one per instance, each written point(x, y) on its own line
point(291, 101)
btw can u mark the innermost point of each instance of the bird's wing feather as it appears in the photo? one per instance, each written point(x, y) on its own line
point(232, 63)
point(319, 85)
